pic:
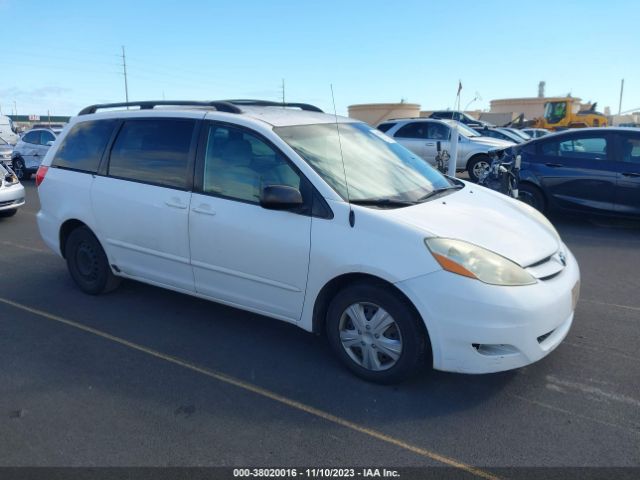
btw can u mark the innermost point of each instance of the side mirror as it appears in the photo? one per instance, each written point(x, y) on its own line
point(49, 143)
point(280, 197)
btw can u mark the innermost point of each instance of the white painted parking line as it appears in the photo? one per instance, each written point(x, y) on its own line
point(263, 392)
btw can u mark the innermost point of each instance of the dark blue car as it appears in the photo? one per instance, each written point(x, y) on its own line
point(595, 170)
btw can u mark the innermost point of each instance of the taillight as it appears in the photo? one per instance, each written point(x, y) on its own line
point(40, 174)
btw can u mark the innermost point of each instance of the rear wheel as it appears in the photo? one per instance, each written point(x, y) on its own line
point(532, 196)
point(88, 264)
point(375, 333)
point(477, 165)
point(20, 169)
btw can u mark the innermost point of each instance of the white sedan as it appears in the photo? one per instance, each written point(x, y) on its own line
point(11, 192)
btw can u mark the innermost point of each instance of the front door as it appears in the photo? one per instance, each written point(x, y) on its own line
point(243, 254)
point(627, 198)
point(577, 171)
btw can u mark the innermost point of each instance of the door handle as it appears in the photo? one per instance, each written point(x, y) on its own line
point(429, 144)
point(175, 203)
point(204, 209)
point(554, 165)
point(631, 174)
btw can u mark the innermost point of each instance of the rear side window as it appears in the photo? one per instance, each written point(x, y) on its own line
point(413, 130)
point(83, 146)
point(153, 151)
point(32, 137)
point(383, 127)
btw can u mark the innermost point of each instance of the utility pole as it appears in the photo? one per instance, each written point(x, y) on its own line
point(621, 90)
point(124, 69)
point(283, 97)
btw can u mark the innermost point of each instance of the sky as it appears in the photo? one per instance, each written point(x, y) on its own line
point(59, 56)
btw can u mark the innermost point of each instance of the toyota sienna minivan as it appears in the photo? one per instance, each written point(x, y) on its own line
point(317, 220)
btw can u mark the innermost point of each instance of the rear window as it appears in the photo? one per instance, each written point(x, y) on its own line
point(83, 146)
point(153, 151)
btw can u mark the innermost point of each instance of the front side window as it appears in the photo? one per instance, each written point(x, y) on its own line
point(437, 131)
point(83, 146)
point(586, 148)
point(631, 149)
point(46, 137)
point(376, 167)
point(238, 165)
point(153, 151)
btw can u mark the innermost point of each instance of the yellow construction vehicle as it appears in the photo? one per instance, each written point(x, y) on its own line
point(564, 112)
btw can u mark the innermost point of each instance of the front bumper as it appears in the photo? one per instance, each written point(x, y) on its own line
point(480, 328)
point(11, 197)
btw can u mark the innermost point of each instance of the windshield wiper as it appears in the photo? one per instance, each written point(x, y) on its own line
point(383, 202)
point(439, 191)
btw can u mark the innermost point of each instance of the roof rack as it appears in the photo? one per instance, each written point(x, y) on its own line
point(267, 103)
point(222, 106)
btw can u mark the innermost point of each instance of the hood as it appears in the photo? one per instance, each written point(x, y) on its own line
point(485, 218)
point(494, 142)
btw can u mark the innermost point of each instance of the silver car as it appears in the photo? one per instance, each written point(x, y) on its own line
point(421, 136)
point(30, 150)
point(6, 150)
point(11, 192)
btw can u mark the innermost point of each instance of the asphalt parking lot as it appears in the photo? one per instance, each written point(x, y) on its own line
point(147, 377)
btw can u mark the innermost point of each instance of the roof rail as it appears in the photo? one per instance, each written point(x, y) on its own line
point(267, 103)
point(222, 106)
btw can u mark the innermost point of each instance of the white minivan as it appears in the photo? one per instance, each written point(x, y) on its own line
point(314, 219)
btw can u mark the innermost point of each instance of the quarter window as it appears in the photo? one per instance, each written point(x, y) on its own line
point(585, 148)
point(153, 151)
point(238, 165)
point(83, 146)
point(383, 127)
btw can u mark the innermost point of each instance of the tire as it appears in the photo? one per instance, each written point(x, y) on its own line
point(8, 213)
point(532, 196)
point(88, 264)
point(20, 169)
point(362, 347)
point(477, 163)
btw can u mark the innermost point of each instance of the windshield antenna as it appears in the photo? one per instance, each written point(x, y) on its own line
point(352, 216)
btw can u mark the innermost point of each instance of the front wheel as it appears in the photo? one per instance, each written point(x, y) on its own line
point(20, 169)
point(532, 196)
point(375, 333)
point(477, 166)
point(88, 264)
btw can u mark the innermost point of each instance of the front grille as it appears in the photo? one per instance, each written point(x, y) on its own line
point(548, 267)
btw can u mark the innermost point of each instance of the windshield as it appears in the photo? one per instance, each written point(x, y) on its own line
point(376, 167)
point(555, 111)
point(463, 129)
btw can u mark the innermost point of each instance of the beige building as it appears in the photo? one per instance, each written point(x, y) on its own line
point(374, 113)
point(532, 107)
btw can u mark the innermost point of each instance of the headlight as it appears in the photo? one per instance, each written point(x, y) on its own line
point(471, 261)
